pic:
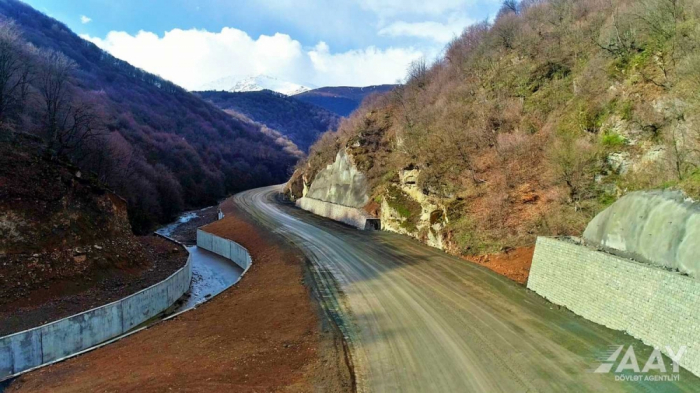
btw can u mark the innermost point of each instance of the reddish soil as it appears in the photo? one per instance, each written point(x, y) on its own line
point(514, 264)
point(264, 334)
point(64, 297)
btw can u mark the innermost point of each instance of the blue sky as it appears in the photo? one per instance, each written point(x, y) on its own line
point(341, 42)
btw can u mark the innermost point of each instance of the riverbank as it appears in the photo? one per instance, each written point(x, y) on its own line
point(184, 229)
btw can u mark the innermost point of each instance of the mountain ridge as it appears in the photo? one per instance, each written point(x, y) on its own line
point(342, 100)
point(259, 82)
point(300, 121)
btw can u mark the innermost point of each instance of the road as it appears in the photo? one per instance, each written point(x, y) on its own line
point(419, 320)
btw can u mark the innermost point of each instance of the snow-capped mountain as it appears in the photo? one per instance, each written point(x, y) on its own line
point(255, 83)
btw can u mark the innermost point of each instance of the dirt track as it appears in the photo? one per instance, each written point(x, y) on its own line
point(420, 320)
point(264, 334)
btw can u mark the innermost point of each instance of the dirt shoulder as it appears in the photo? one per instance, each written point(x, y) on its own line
point(514, 264)
point(61, 298)
point(264, 334)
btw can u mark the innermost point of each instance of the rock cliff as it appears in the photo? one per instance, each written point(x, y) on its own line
point(339, 192)
point(340, 183)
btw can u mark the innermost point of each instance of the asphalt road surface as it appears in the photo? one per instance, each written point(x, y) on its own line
point(419, 320)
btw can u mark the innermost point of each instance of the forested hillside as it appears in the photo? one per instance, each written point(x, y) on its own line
point(159, 146)
point(301, 122)
point(532, 124)
point(341, 100)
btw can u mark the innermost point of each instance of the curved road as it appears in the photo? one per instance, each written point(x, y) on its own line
point(419, 320)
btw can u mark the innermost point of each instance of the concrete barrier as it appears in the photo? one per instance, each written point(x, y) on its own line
point(657, 306)
point(56, 340)
point(224, 247)
point(345, 214)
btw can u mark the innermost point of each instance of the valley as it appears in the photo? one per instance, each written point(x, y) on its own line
point(356, 197)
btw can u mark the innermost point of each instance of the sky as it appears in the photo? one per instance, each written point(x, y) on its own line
point(313, 43)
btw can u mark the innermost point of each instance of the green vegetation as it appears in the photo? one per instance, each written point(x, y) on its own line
point(610, 139)
point(408, 209)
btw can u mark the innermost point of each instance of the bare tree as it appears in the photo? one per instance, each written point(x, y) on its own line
point(619, 40)
point(506, 30)
point(54, 77)
point(662, 20)
point(418, 73)
point(574, 162)
point(682, 148)
point(15, 71)
point(68, 122)
point(78, 124)
point(509, 6)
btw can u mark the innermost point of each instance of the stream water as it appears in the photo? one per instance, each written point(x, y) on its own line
point(211, 273)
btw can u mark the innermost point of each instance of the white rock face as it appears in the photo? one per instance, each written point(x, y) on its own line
point(237, 84)
point(338, 192)
point(340, 183)
point(658, 227)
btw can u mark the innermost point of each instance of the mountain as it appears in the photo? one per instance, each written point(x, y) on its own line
point(301, 122)
point(254, 83)
point(341, 100)
point(530, 125)
point(160, 147)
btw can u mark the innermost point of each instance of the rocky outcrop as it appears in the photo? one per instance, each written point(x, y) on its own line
point(338, 192)
point(657, 227)
point(406, 209)
point(340, 183)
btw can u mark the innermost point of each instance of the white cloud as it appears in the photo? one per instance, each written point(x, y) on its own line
point(191, 58)
point(84, 19)
point(396, 7)
point(438, 32)
point(369, 66)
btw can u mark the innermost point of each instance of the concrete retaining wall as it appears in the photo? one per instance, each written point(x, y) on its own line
point(56, 340)
point(654, 305)
point(348, 215)
point(224, 247)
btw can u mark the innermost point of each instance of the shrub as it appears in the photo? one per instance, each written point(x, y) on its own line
point(611, 139)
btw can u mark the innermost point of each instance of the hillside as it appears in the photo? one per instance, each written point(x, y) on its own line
point(159, 146)
point(301, 122)
point(66, 243)
point(531, 125)
point(341, 100)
